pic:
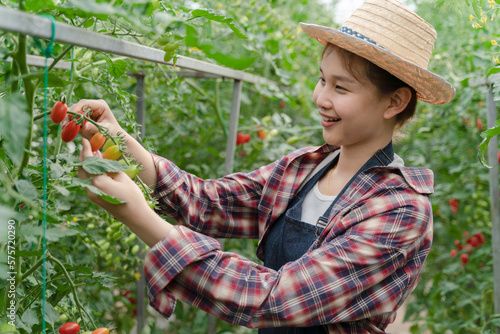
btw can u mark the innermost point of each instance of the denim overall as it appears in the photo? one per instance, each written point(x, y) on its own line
point(290, 238)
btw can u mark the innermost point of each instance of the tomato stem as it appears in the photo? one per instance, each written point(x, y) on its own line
point(73, 288)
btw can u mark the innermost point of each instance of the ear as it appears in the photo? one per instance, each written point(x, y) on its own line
point(399, 100)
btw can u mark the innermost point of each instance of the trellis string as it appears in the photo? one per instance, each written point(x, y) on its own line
point(47, 52)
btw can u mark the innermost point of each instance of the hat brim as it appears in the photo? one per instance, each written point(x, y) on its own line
point(430, 87)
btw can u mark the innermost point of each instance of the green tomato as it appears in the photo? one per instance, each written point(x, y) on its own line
point(107, 145)
point(132, 170)
point(134, 249)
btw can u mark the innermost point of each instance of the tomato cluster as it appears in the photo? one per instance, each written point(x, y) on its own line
point(471, 242)
point(110, 149)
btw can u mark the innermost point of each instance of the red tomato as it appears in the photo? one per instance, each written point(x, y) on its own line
point(453, 252)
point(69, 328)
point(454, 205)
point(464, 258)
point(242, 138)
point(479, 124)
point(101, 331)
point(97, 141)
point(480, 238)
point(59, 111)
point(70, 131)
point(112, 153)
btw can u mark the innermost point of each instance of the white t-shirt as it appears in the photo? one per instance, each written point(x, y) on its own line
point(315, 203)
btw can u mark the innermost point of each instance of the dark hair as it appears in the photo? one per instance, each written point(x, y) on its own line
point(385, 82)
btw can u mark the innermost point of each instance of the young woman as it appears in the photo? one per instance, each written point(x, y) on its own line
point(344, 228)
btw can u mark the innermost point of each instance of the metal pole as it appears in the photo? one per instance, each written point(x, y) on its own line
point(140, 112)
point(233, 127)
point(494, 200)
point(229, 162)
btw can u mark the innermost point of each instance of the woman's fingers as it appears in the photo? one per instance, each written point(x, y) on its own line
point(84, 153)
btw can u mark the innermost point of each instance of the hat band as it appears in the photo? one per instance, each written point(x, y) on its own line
point(354, 33)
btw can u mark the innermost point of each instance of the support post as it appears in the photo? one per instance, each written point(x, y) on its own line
point(229, 161)
point(494, 200)
point(233, 127)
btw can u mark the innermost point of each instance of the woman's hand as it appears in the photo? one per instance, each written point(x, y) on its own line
point(101, 113)
point(118, 185)
point(135, 213)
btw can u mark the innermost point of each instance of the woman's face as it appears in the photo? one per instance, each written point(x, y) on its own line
point(352, 109)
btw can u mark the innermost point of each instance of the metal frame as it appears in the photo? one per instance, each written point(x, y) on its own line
point(36, 26)
point(494, 186)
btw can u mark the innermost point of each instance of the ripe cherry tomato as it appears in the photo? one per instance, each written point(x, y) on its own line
point(242, 138)
point(59, 111)
point(69, 328)
point(97, 141)
point(112, 153)
point(70, 131)
point(101, 331)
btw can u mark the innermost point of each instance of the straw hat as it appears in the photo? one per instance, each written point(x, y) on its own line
point(394, 38)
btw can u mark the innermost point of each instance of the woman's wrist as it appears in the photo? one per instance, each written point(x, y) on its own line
point(148, 226)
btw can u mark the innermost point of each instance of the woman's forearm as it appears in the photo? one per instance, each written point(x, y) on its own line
point(138, 152)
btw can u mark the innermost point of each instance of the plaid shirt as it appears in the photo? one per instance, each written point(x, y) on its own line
point(353, 278)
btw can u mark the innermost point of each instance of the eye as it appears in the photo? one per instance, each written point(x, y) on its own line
point(340, 88)
point(322, 80)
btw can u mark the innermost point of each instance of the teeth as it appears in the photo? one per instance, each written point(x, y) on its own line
point(331, 119)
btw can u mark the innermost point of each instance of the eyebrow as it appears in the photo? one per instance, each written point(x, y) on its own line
point(340, 78)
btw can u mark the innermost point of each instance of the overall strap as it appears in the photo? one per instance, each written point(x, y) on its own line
point(382, 157)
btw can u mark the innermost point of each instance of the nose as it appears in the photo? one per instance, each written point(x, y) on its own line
point(322, 98)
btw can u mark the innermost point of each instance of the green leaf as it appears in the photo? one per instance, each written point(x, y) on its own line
point(14, 127)
point(117, 67)
point(104, 279)
point(213, 16)
point(51, 315)
point(26, 189)
point(493, 70)
point(97, 166)
point(483, 147)
point(30, 318)
point(477, 8)
point(52, 234)
point(85, 184)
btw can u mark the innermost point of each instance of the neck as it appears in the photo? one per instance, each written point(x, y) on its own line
point(352, 158)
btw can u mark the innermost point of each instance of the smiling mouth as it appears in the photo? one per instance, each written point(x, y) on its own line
point(335, 119)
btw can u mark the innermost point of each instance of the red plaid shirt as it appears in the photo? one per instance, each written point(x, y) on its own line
point(354, 277)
